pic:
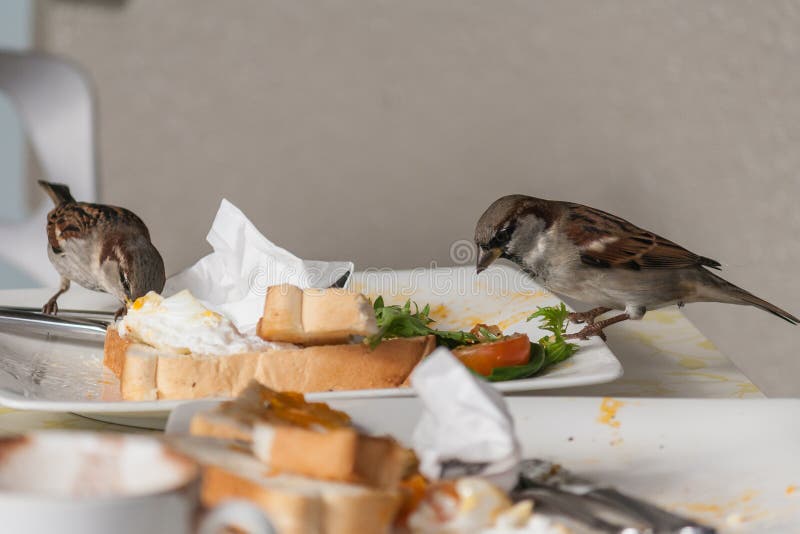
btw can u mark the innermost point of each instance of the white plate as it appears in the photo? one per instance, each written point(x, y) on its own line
point(728, 463)
point(61, 376)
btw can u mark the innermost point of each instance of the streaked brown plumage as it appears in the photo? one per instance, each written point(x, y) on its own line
point(600, 259)
point(100, 247)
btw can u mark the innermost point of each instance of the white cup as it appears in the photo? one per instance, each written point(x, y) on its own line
point(98, 483)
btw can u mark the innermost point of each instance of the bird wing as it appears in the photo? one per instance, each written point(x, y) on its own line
point(605, 240)
point(78, 219)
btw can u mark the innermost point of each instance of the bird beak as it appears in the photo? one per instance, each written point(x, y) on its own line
point(486, 257)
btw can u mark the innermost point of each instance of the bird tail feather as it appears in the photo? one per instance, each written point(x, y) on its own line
point(58, 192)
point(736, 295)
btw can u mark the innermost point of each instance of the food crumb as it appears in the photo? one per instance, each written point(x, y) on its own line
point(790, 490)
point(608, 412)
point(439, 312)
point(748, 495)
point(703, 508)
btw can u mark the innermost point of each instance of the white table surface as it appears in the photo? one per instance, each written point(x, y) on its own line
point(663, 355)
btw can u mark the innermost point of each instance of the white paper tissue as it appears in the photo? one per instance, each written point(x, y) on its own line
point(464, 423)
point(234, 278)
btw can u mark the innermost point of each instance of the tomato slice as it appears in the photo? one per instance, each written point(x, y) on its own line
point(483, 357)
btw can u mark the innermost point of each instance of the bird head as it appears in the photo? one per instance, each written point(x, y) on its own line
point(131, 268)
point(510, 227)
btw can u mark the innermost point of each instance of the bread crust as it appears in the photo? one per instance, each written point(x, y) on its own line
point(341, 454)
point(134, 364)
point(295, 504)
point(315, 316)
point(303, 440)
point(139, 373)
point(219, 426)
point(147, 374)
point(317, 508)
point(114, 350)
point(290, 512)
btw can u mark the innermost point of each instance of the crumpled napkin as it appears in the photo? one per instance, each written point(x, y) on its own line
point(465, 428)
point(233, 279)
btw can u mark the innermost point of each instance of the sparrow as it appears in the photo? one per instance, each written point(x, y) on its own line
point(601, 259)
point(100, 247)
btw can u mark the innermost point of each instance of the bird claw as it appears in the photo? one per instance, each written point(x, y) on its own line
point(588, 317)
point(587, 332)
point(120, 312)
point(51, 308)
point(580, 318)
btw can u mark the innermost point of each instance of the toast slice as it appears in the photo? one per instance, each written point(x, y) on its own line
point(294, 504)
point(146, 373)
point(315, 316)
point(291, 435)
point(236, 418)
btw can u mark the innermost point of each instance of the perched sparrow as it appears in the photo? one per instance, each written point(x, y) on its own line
point(602, 260)
point(103, 248)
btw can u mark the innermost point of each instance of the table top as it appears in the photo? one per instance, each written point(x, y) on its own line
point(663, 355)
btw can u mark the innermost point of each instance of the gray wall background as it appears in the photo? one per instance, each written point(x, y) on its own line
point(379, 130)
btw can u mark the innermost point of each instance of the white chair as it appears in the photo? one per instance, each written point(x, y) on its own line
point(54, 101)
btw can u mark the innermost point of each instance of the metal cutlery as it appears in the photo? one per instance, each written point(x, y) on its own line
point(86, 314)
point(70, 323)
point(575, 497)
point(573, 507)
point(21, 321)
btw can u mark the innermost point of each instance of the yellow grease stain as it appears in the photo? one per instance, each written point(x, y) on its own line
point(790, 490)
point(469, 321)
point(735, 505)
point(748, 495)
point(538, 294)
point(710, 376)
point(645, 337)
point(706, 344)
point(745, 388)
point(690, 362)
point(752, 514)
point(514, 319)
point(703, 508)
point(608, 412)
point(664, 317)
point(439, 312)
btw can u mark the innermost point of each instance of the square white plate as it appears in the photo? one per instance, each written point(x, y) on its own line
point(62, 376)
point(729, 463)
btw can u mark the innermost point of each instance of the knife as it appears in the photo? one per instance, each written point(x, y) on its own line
point(536, 473)
point(17, 321)
point(26, 320)
point(106, 316)
point(573, 507)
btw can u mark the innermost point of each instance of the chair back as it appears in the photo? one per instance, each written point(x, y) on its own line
point(54, 101)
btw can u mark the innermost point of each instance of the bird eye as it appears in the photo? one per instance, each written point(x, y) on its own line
point(503, 236)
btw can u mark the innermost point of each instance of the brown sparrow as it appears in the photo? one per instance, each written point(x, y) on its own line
point(602, 260)
point(103, 248)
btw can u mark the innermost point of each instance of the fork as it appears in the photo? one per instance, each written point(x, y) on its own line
point(577, 497)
